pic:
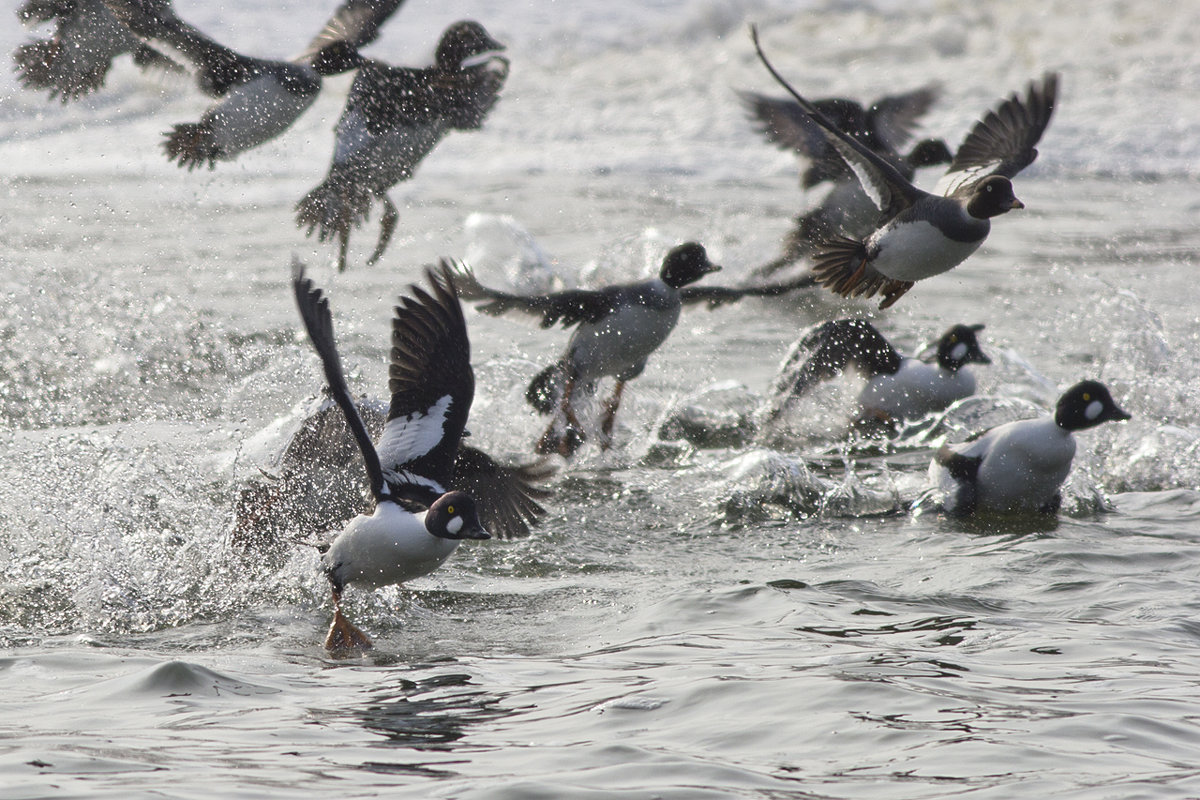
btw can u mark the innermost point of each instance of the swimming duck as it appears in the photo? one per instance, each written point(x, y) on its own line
point(432, 386)
point(927, 234)
point(1019, 467)
point(394, 117)
point(617, 328)
point(899, 388)
point(87, 38)
point(258, 98)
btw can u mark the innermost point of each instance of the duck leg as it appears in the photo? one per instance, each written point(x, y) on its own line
point(566, 443)
point(387, 226)
point(343, 237)
point(610, 415)
point(344, 637)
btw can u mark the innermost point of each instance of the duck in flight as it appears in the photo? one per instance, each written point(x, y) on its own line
point(418, 519)
point(394, 117)
point(885, 126)
point(257, 99)
point(925, 234)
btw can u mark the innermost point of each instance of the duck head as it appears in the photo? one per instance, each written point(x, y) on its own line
point(686, 263)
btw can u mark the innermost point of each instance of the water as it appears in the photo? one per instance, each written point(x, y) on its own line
point(746, 621)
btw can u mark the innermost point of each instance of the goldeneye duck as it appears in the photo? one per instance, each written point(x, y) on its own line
point(899, 388)
point(617, 328)
point(927, 234)
point(310, 481)
point(259, 98)
point(885, 127)
point(394, 116)
point(432, 385)
point(87, 38)
point(1019, 467)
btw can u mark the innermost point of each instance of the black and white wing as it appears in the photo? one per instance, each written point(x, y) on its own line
point(567, 308)
point(880, 180)
point(432, 385)
point(507, 496)
point(1004, 141)
point(314, 311)
point(832, 347)
point(355, 22)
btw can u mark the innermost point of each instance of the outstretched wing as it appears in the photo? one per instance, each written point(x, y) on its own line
point(432, 386)
point(566, 308)
point(314, 311)
point(355, 22)
point(715, 296)
point(881, 181)
point(834, 346)
point(893, 118)
point(1004, 141)
point(507, 496)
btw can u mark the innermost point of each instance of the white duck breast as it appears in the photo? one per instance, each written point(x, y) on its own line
point(624, 339)
point(259, 110)
point(389, 546)
point(1024, 464)
point(916, 389)
point(913, 251)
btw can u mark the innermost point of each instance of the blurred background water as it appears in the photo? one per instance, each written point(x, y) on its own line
point(751, 620)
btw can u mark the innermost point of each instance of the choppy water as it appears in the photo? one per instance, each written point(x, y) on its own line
point(747, 621)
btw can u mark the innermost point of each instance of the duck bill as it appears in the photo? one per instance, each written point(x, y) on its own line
point(474, 532)
point(494, 51)
point(710, 268)
point(1015, 204)
point(1118, 415)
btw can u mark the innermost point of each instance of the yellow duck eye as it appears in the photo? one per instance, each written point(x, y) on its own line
point(450, 510)
point(1087, 398)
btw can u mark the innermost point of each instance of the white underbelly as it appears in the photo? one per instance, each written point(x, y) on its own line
point(918, 250)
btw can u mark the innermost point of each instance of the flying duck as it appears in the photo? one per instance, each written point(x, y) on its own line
point(617, 328)
point(925, 234)
point(75, 61)
point(418, 521)
point(884, 127)
point(394, 116)
point(258, 99)
point(1019, 467)
point(899, 388)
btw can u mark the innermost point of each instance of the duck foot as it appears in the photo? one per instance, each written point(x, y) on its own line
point(344, 638)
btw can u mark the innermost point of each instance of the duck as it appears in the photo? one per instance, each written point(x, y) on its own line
point(1019, 467)
point(898, 388)
point(616, 330)
point(393, 118)
point(258, 99)
point(417, 521)
point(75, 61)
point(924, 234)
point(885, 126)
point(310, 482)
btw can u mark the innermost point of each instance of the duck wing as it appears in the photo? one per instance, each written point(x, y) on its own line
point(893, 118)
point(432, 385)
point(880, 180)
point(507, 496)
point(318, 322)
point(568, 308)
point(355, 22)
point(1004, 141)
point(832, 348)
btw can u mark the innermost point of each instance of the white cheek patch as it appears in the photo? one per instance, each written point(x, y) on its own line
point(454, 525)
point(959, 352)
point(1094, 409)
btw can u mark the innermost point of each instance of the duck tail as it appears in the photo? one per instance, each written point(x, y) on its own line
point(841, 266)
point(41, 65)
point(193, 144)
point(333, 208)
